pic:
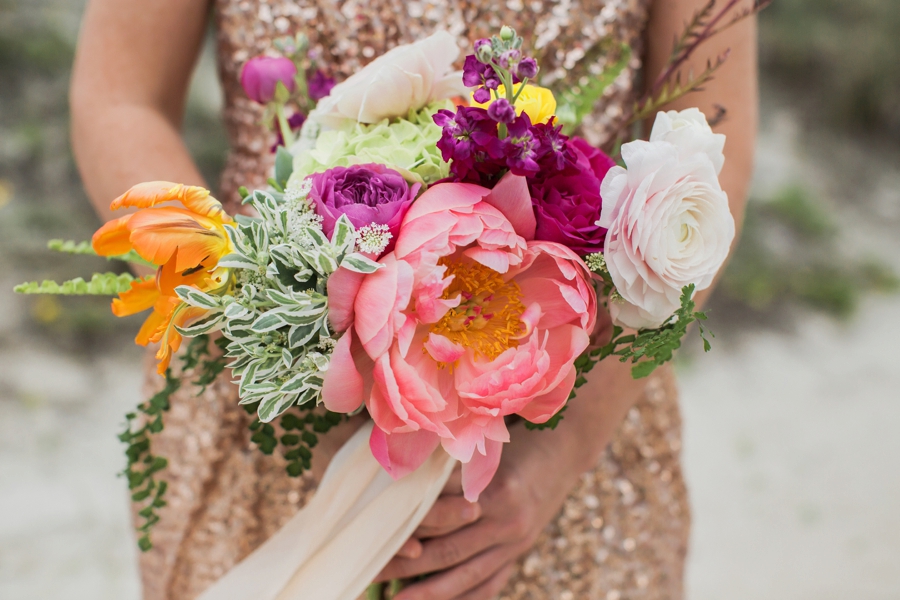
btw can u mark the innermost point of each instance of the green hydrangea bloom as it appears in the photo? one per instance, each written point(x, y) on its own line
point(406, 145)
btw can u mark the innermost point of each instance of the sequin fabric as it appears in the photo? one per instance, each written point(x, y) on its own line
point(622, 532)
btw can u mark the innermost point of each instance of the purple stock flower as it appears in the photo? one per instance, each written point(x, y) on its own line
point(502, 111)
point(521, 147)
point(261, 75)
point(555, 154)
point(476, 73)
point(469, 141)
point(481, 95)
point(527, 69)
point(319, 85)
point(473, 71)
point(509, 58)
point(367, 194)
point(567, 205)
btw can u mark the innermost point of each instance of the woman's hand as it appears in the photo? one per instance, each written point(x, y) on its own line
point(476, 555)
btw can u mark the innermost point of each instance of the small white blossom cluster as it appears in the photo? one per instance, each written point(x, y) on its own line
point(373, 238)
point(596, 262)
point(297, 190)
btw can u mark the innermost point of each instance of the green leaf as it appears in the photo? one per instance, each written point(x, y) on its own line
point(202, 326)
point(196, 298)
point(284, 166)
point(343, 237)
point(643, 369)
point(269, 321)
point(237, 261)
point(272, 407)
point(101, 284)
point(360, 264)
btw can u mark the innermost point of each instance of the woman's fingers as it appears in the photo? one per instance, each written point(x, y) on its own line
point(492, 587)
point(459, 581)
point(444, 552)
point(447, 515)
point(453, 487)
point(411, 549)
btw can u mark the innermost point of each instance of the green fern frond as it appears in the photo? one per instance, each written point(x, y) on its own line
point(101, 284)
point(85, 248)
point(577, 103)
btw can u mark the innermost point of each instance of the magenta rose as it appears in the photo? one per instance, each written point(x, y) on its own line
point(567, 205)
point(367, 194)
point(261, 75)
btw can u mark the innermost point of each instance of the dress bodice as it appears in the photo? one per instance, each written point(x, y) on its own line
point(570, 39)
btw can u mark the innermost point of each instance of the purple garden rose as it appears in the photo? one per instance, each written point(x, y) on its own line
point(367, 194)
point(567, 205)
point(260, 75)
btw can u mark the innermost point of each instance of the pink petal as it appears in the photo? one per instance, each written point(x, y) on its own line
point(497, 260)
point(543, 407)
point(511, 197)
point(478, 472)
point(402, 453)
point(443, 350)
point(343, 285)
point(342, 389)
point(445, 197)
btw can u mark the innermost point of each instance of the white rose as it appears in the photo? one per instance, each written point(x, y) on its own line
point(689, 131)
point(668, 226)
point(406, 78)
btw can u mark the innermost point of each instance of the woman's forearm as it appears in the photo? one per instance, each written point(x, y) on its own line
point(120, 145)
point(132, 68)
point(602, 403)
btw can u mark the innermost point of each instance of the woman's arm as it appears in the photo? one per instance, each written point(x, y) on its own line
point(132, 69)
point(539, 468)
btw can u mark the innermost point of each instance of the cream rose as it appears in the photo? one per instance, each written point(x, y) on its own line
point(668, 226)
point(689, 131)
point(405, 78)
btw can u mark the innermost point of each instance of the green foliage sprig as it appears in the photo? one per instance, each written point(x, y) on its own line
point(646, 349)
point(302, 426)
point(651, 348)
point(143, 465)
point(85, 248)
point(101, 284)
point(577, 103)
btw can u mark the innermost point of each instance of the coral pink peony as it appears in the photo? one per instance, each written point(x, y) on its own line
point(467, 322)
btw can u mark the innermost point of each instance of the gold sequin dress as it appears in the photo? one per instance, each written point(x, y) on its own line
point(622, 533)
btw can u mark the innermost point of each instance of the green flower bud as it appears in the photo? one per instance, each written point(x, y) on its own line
point(507, 33)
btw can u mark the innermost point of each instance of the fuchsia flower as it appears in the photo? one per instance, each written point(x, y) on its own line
point(567, 204)
point(261, 75)
point(468, 321)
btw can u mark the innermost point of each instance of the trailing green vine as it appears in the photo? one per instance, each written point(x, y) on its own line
point(143, 465)
point(302, 426)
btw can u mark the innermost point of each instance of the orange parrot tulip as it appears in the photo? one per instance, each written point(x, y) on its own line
point(185, 242)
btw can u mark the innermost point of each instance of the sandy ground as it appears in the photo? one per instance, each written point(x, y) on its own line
point(790, 442)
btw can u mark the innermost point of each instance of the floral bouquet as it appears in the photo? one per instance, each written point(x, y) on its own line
point(432, 249)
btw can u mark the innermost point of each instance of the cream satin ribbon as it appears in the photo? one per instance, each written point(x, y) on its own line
point(355, 523)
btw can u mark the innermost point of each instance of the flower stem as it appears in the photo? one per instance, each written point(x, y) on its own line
point(373, 592)
point(286, 134)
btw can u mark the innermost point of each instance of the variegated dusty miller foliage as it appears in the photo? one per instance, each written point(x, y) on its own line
point(276, 316)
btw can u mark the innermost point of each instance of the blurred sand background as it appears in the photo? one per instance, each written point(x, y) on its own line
point(790, 423)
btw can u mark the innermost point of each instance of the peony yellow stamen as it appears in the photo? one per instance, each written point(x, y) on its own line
point(487, 318)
